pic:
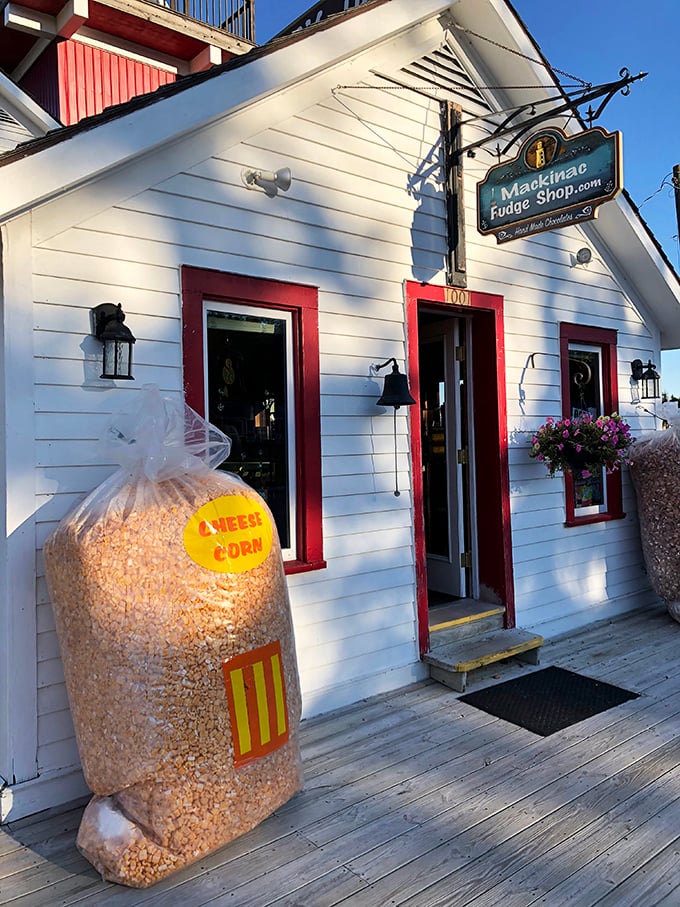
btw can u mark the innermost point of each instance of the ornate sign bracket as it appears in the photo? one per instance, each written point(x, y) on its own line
point(606, 92)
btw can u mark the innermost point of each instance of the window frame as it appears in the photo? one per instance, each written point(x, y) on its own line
point(200, 287)
point(218, 308)
point(606, 340)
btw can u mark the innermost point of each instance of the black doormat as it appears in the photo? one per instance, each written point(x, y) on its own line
point(548, 700)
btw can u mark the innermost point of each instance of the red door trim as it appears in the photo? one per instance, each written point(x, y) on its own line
point(491, 440)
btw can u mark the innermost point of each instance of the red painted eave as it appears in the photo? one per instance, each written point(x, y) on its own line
point(170, 39)
point(180, 36)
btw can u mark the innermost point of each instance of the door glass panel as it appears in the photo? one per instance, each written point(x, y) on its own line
point(249, 390)
point(435, 468)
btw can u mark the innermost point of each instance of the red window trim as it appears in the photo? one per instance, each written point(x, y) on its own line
point(201, 284)
point(606, 339)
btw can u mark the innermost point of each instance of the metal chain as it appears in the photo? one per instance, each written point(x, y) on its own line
point(518, 53)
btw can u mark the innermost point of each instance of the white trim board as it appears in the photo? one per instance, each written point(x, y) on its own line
point(18, 801)
point(18, 689)
point(24, 109)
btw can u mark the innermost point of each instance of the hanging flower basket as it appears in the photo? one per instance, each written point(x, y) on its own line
point(582, 446)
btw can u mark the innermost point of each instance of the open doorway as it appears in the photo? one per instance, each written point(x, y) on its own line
point(459, 448)
point(447, 468)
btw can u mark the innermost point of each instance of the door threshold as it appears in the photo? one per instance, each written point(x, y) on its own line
point(461, 611)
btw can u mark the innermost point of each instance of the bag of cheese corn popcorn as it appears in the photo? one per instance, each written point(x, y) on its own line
point(655, 470)
point(174, 624)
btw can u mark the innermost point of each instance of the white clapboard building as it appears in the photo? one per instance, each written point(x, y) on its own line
point(274, 229)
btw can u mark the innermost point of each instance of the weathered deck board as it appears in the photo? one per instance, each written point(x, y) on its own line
point(478, 821)
point(416, 798)
point(652, 883)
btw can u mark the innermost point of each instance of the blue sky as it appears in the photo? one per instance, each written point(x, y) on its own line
point(594, 39)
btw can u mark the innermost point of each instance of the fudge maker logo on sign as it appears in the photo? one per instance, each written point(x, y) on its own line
point(554, 181)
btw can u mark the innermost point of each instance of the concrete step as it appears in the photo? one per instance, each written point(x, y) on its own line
point(450, 664)
point(463, 619)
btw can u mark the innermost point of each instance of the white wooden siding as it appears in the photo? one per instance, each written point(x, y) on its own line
point(356, 225)
point(12, 133)
point(345, 227)
point(18, 683)
point(563, 577)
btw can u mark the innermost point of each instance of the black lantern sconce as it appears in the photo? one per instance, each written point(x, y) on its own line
point(646, 379)
point(117, 339)
point(395, 393)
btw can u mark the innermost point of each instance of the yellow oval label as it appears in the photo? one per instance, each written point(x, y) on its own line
point(231, 534)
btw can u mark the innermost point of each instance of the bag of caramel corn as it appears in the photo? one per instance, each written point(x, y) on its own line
point(655, 470)
point(174, 624)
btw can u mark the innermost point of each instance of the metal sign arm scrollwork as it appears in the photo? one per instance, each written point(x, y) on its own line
point(606, 91)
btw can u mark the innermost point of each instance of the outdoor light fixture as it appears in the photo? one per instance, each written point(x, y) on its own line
point(647, 378)
point(395, 393)
point(116, 338)
point(269, 180)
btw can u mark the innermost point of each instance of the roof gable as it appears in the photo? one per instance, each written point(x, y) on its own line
point(20, 109)
point(450, 49)
point(267, 84)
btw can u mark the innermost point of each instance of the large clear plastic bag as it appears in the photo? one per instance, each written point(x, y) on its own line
point(174, 623)
point(655, 470)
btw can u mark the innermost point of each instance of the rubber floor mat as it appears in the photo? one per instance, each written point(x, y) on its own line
point(548, 700)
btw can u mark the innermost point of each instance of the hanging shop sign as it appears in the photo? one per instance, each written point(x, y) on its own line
point(318, 12)
point(554, 181)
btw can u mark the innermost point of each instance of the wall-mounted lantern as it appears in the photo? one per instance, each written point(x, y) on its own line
point(646, 379)
point(395, 393)
point(117, 340)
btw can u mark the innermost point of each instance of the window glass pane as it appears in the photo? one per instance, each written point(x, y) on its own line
point(585, 381)
point(589, 492)
point(250, 398)
point(435, 474)
point(585, 398)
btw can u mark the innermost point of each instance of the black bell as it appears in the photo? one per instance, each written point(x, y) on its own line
point(395, 391)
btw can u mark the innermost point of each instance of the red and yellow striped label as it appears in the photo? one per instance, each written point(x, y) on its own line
point(256, 694)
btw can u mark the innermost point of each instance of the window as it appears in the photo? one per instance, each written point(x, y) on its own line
point(589, 387)
point(251, 365)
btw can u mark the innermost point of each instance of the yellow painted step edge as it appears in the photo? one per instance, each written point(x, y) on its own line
point(496, 656)
point(466, 620)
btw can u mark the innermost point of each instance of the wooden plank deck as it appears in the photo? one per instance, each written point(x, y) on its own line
point(414, 798)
